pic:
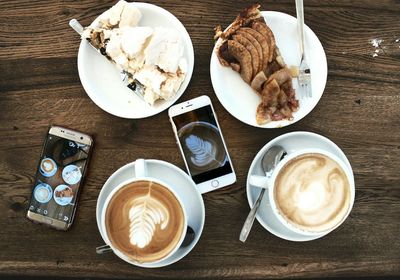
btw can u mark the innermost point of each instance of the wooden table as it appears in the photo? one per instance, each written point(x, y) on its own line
point(360, 111)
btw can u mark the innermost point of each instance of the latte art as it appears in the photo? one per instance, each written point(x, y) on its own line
point(312, 192)
point(144, 215)
point(202, 146)
point(47, 166)
point(145, 221)
point(203, 151)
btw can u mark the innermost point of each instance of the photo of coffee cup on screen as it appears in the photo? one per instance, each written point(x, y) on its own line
point(203, 146)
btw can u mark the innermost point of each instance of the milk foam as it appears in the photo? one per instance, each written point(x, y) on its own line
point(47, 166)
point(145, 221)
point(144, 215)
point(312, 192)
point(42, 194)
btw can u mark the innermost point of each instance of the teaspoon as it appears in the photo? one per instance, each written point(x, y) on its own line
point(269, 161)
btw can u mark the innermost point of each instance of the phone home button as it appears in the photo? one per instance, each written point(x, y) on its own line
point(214, 183)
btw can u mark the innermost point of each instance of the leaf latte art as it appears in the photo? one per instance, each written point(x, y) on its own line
point(144, 221)
point(312, 192)
point(144, 215)
point(202, 151)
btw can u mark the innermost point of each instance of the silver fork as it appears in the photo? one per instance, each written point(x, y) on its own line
point(304, 78)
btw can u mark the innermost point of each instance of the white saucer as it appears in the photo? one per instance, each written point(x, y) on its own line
point(101, 79)
point(240, 100)
point(291, 142)
point(179, 182)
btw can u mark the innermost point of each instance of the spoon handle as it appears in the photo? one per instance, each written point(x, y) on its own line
point(250, 218)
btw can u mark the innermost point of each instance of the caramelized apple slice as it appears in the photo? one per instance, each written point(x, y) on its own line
point(281, 76)
point(263, 42)
point(258, 81)
point(263, 29)
point(269, 103)
point(242, 55)
point(255, 61)
point(256, 44)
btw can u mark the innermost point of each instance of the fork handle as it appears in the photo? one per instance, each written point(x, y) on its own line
point(300, 24)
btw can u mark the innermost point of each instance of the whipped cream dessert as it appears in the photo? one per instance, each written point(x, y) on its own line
point(151, 56)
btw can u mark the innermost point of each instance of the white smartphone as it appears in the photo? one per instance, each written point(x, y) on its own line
point(201, 143)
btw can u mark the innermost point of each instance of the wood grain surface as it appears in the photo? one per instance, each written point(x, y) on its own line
point(360, 111)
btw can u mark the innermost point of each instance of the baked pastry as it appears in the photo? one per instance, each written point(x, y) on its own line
point(151, 58)
point(248, 46)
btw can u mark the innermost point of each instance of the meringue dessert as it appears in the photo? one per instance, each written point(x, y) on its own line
point(248, 46)
point(152, 58)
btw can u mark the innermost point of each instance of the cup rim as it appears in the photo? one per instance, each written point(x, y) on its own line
point(275, 173)
point(103, 224)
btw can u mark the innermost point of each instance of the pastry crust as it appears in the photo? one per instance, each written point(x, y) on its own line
point(243, 19)
point(248, 46)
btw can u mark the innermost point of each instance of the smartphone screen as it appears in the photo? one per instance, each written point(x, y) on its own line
point(58, 178)
point(202, 144)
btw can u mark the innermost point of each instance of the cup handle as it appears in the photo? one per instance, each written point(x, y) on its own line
point(260, 181)
point(140, 168)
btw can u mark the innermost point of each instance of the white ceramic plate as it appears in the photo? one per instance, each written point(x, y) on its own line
point(240, 100)
point(291, 142)
point(101, 79)
point(179, 181)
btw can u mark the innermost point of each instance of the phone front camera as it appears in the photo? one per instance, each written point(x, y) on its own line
point(81, 137)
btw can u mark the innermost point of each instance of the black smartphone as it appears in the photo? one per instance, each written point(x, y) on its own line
point(59, 177)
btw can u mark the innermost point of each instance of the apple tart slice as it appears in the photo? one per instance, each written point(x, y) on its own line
point(248, 46)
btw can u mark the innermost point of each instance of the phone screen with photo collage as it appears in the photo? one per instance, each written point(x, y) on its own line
point(58, 178)
point(202, 144)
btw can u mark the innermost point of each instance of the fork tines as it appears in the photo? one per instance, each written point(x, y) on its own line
point(304, 79)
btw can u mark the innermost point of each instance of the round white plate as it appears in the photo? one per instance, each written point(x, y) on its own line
point(179, 181)
point(291, 142)
point(101, 79)
point(240, 100)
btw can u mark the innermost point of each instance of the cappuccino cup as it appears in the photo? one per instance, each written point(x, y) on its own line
point(311, 191)
point(143, 219)
point(48, 167)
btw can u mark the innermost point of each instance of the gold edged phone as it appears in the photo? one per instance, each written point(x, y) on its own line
point(59, 177)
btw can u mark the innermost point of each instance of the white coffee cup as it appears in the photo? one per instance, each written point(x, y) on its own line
point(268, 182)
point(140, 175)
